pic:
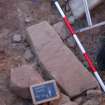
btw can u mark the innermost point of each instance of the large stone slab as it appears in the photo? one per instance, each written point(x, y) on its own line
point(22, 77)
point(59, 61)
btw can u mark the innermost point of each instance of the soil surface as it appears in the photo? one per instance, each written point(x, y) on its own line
point(15, 16)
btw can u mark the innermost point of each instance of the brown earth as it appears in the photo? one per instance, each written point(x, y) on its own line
point(14, 15)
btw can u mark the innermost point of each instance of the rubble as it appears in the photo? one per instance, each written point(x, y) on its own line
point(61, 30)
point(21, 78)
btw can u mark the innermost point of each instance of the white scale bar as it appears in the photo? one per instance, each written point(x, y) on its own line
point(100, 80)
point(79, 43)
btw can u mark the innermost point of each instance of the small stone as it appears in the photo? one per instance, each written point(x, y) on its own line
point(61, 30)
point(71, 19)
point(28, 55)
point(21, 78)
point(28, 19)
point(64, 99)
point(94, 92)
point(92, 102)
point(63, 33)
point(17, 38)
point(71, 42)
point(58, 27)
point(78, 100)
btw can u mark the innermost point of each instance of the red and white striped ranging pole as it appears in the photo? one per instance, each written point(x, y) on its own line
point(87, 58)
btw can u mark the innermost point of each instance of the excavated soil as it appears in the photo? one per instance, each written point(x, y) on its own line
point(15, 16)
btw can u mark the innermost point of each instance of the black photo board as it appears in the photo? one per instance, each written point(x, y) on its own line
point(44, 92)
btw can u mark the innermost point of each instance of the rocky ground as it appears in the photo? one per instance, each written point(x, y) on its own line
point(15, 16)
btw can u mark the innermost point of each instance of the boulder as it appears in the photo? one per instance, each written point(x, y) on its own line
point(22, 77)
point(64, 34)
